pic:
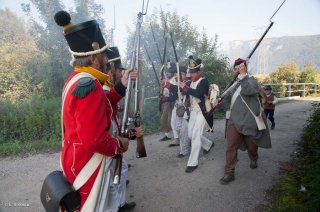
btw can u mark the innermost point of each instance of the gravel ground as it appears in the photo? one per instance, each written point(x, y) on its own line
point(159, 182)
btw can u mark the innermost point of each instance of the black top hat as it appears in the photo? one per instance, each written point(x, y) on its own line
point(114, 56)
point(84, 39)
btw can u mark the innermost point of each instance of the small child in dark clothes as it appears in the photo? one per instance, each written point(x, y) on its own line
point(270, 100)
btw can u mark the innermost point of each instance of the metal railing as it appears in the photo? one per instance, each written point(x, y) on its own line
point(302, 88)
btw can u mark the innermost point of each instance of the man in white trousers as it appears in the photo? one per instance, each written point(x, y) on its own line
point(197, 90)
point(179, 125)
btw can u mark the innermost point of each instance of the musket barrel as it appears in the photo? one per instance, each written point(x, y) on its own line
point(259, 41)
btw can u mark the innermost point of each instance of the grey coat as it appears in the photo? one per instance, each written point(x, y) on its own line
point(242, 118)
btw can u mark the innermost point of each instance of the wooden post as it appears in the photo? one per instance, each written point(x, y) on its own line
point(289, 90)
point(303, 90)
point(315, 88)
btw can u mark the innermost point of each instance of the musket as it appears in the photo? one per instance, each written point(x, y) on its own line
point(134, 64)
point(164, 50)
point(154, 40)
point(163, 62)
point(152, 64)
point(135, 58)
point(177, 65)
point(234, 80)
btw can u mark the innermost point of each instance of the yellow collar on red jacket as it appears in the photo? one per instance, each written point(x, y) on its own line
point(103, 78)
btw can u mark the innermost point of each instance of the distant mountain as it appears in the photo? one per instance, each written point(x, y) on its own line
point(273, 52)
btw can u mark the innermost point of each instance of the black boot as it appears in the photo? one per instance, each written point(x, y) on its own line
point(227, 179)
point(127, 206)
point(273, 125)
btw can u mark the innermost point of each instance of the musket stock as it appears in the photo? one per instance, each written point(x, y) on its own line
point(141, 150)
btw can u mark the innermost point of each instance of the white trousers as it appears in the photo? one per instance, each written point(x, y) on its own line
point(115, 196)
point(195, 130)
point(182, 128)
point(174, 122)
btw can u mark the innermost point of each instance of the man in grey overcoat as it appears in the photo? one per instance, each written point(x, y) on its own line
point(242, 127)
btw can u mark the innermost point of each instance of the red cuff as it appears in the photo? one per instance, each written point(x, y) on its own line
point(185, 89)
point(167, 85)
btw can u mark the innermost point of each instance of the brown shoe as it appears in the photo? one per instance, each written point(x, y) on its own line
point(226, 179)
point(253, 164)
point(190, 169)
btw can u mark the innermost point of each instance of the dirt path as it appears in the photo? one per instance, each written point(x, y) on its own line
point(159, 183)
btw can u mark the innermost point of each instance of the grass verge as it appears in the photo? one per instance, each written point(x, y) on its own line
point(299, 185)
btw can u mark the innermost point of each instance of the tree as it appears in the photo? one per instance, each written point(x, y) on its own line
point(19, 79)
point(288, 73)
point(309, 74)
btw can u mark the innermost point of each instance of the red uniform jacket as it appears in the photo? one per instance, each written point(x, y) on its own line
point(86, 124)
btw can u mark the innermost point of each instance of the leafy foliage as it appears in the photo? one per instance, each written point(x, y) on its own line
point(286, 73)
point(303, 174)
point(33, 119)
point(22, 61)
point(310, 74)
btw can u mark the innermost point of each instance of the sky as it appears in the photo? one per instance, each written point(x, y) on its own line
point(229, 19)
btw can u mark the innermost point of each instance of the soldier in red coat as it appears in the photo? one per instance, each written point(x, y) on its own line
point(88, 146)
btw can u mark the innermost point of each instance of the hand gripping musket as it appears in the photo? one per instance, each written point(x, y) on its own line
point(231, 85)
point(134, 64)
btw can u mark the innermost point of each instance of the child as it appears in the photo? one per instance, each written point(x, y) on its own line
point(269, 104)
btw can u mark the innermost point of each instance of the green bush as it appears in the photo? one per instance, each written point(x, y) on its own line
point(151, 117)
point(17, 147)
point(30, 120)
point(304, 172)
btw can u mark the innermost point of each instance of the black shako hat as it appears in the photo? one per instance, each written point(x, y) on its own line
point(183, 69)
point(194, 65)
point(114, 57)
point(84, 39)
point(172, 68)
